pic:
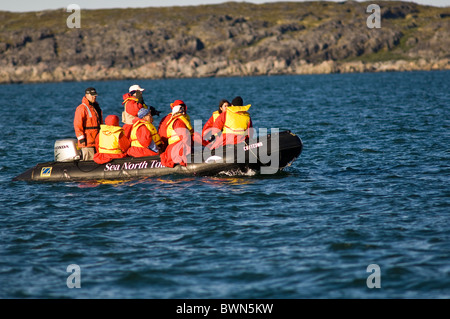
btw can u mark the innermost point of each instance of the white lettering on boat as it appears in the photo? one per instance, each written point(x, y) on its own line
point(111, 167)
point(131, 166)
point(252, 146)
point(156, 164)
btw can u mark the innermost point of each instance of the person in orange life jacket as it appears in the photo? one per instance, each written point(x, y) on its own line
point(206, 132)
point(162, 128)
point(133, 101)
point(111, 142)
point(179, 134)
point(145, 140)
point(235, 124)
point(87, 120)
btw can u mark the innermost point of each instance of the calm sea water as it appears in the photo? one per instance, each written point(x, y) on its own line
point(371, 187)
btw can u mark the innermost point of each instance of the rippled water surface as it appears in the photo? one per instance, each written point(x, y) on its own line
point(371, 187)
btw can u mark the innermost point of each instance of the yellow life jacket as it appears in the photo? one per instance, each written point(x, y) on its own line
point(237, 120)
point(127, 118)
point(172, 136)
point(215, 115)
point(155, 136)
point(108, 140)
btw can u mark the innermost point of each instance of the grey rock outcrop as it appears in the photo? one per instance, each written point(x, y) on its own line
point(222, 40)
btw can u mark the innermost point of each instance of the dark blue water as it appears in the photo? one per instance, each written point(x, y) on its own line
point(371, 187)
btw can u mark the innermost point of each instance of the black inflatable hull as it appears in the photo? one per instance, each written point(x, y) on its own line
point(271, 153)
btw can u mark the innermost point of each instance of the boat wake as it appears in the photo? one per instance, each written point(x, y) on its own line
point(239, 172)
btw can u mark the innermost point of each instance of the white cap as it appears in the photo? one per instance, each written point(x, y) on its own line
point(135, 88)
point(176, 109)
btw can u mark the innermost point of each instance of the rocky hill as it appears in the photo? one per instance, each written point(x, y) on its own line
point(222, 40)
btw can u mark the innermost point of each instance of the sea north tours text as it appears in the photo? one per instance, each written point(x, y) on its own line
point(130, 166)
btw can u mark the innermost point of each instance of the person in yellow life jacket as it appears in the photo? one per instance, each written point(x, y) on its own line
point(179, 134)
point(145, 140)
point(206, 132)
point(111, 142)
point(235, 124)
point(133, 101)
point(162, 128)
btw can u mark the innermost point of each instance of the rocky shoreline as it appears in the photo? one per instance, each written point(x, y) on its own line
point(243, 40)
point(180, 69)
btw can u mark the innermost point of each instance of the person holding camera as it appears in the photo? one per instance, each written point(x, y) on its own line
point(133, 101)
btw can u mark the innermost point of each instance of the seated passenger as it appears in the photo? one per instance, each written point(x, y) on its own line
point(145, 140)
point(162, 128)
point(234, 123)
point(206, 132)
point(111, 141)
point(179, 134)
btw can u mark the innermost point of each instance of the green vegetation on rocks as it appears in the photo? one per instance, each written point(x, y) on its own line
point(222, 40)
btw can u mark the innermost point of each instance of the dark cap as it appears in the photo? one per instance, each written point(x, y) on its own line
point(91, 91)
point(237, 101)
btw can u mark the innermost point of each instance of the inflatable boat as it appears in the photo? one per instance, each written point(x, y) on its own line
point(266, 154)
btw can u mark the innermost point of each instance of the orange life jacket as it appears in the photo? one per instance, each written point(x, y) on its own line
point(87, 122)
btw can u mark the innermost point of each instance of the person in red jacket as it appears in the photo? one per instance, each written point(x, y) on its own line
point(87, 120)
point(133, 101)
point(145, 140)
point(235, 124)
point(179, 134)
point(206, 132)
point(162, 128)
point(111, 142)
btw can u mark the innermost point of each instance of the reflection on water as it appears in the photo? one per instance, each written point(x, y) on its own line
point(219, 181)
point(215, 180)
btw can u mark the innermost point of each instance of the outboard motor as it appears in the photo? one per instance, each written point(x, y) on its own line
point(66, 150)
